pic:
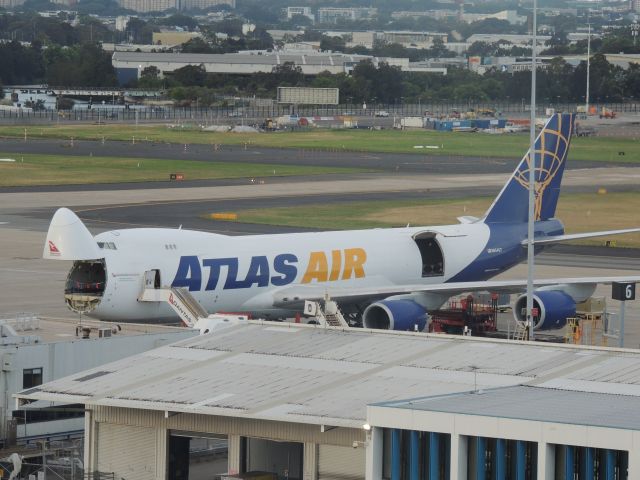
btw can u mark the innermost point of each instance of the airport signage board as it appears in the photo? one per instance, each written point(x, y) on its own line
point(308, 96)
point(623, 291)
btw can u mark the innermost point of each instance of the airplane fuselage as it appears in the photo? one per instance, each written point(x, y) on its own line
point(242, 274)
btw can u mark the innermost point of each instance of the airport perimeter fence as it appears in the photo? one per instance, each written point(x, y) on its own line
point(257, 114)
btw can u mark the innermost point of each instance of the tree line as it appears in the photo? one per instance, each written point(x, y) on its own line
point(61, 54)
point(84, 64)
point(556, 82)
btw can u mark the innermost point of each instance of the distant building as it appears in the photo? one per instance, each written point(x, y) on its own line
point(171, 39)
point(636, 5)
point(10, 3)
point(362, 39)
point(555, 12)
point(302, 11)
point(129, 65)
point(68, 3)
point(332, 15)
point(35, 351)
point(148, 5)
point(436, 14)
point(458, 47)
point(508, 40)
point(278, 35)
point(121, 22)
point(510, 16)
point(306, 47)
point(412, 39)
point(162, 5)
point(204, 4)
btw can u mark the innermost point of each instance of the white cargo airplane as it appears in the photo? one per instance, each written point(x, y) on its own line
point(393, 277)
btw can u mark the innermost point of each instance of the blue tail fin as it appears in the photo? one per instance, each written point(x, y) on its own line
point(552, 144)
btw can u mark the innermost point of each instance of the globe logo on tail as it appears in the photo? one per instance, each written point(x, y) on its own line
point(551, 147)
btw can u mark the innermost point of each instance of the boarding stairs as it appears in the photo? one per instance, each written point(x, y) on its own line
point(329, 316)
point(521, 331)
point(180, 300)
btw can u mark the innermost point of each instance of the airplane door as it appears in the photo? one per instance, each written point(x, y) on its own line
point(152, 279)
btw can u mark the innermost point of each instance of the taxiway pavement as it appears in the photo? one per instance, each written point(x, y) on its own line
point(29, 283)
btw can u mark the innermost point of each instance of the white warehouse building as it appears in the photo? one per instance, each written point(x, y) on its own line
point(306, 402)
point(129, 65)
point(35, 350)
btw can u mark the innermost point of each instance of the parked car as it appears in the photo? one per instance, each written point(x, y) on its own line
point(382, 113)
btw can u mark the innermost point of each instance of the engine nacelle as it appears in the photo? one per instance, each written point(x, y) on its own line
point(395, 315)
point(554, 307)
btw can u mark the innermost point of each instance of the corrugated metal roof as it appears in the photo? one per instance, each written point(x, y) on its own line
point(273, 58)
point(289, 372)
point(540, 404)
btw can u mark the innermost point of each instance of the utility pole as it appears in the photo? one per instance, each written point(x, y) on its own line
point(532, 177)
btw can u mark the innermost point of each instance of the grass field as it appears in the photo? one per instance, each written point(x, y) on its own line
point(579, 212)
point(512, 145)
point(34, 169)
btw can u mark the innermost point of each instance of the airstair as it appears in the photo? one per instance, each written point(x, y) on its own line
point(329, 316)
point(521, 331)
point(180, 300)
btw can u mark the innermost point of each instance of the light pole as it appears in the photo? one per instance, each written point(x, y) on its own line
point(586, 105)
point(532, 179)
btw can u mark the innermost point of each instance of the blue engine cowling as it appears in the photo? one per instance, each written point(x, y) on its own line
point(395, 315)
point(554, 306)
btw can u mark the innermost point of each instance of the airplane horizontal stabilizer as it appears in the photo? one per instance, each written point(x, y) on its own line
point(579, 236)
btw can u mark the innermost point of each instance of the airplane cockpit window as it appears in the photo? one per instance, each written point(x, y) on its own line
point(107, 246)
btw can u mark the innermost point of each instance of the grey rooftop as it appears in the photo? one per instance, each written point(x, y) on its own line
point(315, 375)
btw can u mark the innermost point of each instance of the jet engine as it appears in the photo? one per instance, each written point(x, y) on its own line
point(404, 315)
point(554, 307)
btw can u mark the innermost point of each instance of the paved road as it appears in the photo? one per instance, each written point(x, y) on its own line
point(395, 162)
point(29, 283)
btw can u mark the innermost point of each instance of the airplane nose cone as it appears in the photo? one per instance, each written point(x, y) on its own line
point(69, 239)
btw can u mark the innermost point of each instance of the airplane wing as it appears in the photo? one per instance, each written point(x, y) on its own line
point(291, 296)
point(579, 236)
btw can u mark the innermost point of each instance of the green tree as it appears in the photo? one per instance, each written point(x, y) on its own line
point(139, 31)
point(190, 75)
point(333, 44)
point(96, 68)
point(179, 20)
point(439, 50)
point(606, 81)
point(92, 30)
point(287, 74)
point(482, 49)
point(20, 64)
point(196, 45)
point(150, 78)
point(35, 104)
point(384, 83)
point(632, 81)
